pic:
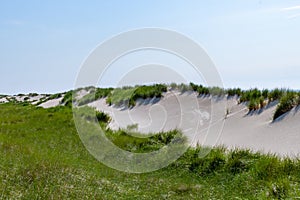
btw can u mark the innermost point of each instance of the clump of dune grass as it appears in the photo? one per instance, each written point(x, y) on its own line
point(289, 100)
point(234, 92)
point(128, 96)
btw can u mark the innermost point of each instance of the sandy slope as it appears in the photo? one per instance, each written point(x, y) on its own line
point(51, 103)
point(238, 129)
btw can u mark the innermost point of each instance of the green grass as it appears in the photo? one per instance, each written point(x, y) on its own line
point(287, 102)
point(42, 157)
point(129, 95)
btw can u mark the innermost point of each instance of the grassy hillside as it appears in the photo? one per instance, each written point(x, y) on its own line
point(42, 157)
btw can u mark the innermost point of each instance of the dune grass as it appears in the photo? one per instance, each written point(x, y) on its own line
point(128, 95)
point(42, 157)
point(287, 102)
point(95, 94)
point(256, 99)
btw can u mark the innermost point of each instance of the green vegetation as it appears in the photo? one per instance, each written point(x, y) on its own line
point(67, 99)
point(255, 98)
point(42, 157)
point(234, 92)
point(138, 143)
point(287, 102)
point(32, 94)
point(95, 94)
point(129, 95)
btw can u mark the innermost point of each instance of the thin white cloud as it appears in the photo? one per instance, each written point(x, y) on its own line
point(291, 8)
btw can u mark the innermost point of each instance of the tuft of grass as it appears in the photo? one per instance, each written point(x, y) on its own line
point(275, 94)
point(287, 103)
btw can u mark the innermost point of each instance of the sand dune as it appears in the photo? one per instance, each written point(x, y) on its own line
point(204, 120)
point(236, 129)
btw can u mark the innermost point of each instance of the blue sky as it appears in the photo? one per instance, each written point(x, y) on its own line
point(43, 44)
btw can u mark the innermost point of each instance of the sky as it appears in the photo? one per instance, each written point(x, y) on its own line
point(253, 43)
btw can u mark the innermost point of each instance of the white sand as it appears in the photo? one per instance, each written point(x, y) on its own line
point(51, 103)
point(31, 99)
point(34, 100)
point(255, 131)
point(3, 100)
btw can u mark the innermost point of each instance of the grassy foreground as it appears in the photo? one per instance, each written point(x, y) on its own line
point(42, 157)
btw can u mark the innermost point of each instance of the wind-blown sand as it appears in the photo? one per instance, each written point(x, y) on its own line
point(239, 128)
